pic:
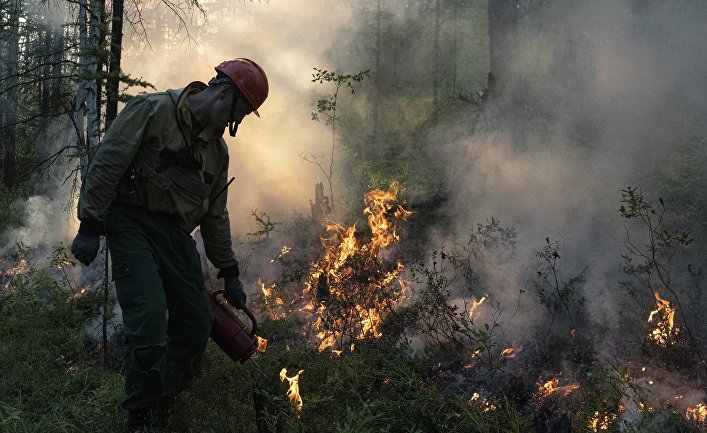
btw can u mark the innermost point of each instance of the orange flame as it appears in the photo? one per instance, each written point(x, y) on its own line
point(698, 414)
point(273, 303)
point(262, 344)
point(510, 352)
point(551, 387)
point(665, 330)
point(293, 390)
point(474, 305)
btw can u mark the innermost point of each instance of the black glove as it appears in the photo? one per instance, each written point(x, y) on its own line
point(85, 247)
point(233, 292)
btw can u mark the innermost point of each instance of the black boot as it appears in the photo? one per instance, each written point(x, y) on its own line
point(142, 420)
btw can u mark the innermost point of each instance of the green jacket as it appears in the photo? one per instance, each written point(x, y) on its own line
point(148, 125)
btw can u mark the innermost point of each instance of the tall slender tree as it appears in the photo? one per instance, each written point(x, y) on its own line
point(10, 99)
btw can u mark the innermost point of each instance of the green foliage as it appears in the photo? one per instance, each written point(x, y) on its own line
point(48, 381)
point(327, 106)
point(10, 215)
point(557, 295)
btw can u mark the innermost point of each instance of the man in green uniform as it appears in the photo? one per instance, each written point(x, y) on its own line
point(161, 171)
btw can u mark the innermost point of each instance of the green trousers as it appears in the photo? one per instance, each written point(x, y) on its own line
point(166, 311)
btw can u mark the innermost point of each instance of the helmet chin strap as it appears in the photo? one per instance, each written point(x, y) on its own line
point(233, 126)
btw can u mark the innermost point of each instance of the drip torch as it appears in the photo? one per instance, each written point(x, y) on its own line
point(229, 332)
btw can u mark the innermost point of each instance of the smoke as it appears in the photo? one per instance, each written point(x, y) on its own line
point(600, 101)
point(47, 216)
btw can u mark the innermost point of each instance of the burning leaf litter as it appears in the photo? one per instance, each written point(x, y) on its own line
point(552, 386)
point(484, 405)
point(601, 421)
point(510, 352)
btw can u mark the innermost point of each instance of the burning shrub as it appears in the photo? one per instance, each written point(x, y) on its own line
point(353, 287)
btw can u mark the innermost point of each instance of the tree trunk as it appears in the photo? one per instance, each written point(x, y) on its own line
point(436, 69)
point(10, 99)
point(92, 96)
point(116, 42)
point(503, 18)
point(376, 96)
point(98, 29)
point(81, 93)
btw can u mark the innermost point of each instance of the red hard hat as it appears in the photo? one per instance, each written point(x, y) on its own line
point(250, 79)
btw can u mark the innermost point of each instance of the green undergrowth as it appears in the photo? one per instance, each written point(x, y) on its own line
point(51, 381)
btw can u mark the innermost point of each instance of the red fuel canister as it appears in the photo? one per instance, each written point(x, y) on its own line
point(230, 333)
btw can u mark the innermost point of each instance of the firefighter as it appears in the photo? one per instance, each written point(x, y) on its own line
point(161, 171)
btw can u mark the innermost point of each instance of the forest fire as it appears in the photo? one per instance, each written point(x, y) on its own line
point(551, 386)
point(293, 390)
point(665, 330)
point(352, 287)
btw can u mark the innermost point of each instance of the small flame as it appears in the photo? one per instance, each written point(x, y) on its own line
point(601, 421)
point(474, 305)
point(293, 390)
point(284, 250)
point(551, 387)
point(698, 414)
point(510, 352)
point(665, 330)
point(474, 357)
point(273, 304)
point(484, 404)
point(262, 344)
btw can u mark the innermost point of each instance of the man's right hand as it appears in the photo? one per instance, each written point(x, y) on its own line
point(85, 247)
point(234, 293)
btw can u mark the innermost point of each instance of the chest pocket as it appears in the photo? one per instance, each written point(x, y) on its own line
point(164, 172)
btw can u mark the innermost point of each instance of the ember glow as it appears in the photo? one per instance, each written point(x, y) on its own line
point(293, 390)
point(21, 268)
point(698, 414)
point(483, 404)
point(352, 287)
point(551, 387)
point(601, 421)
point(284, 250)
point(665, 330)
point(273, 303)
